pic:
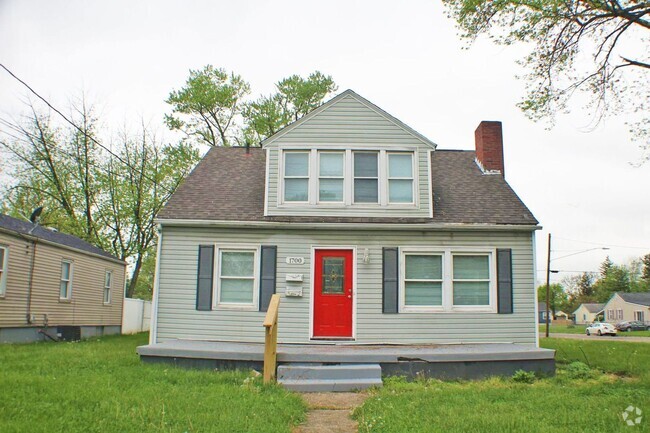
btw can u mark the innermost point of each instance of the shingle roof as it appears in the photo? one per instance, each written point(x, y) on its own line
point(27, 228)
point(636, 298)
point(228, 185)
point(594, 308)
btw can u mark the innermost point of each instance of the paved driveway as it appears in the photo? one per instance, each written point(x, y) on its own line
point(596, 337)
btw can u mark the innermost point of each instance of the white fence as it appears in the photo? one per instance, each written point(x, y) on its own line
point(136, 316)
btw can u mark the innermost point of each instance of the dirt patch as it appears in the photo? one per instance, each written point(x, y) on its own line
point(329, 412)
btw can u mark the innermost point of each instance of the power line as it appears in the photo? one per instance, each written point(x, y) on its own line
point(81, 130)
point(604, 245)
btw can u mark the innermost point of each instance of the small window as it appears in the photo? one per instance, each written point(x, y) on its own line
point(366, 177)
point(108, 281)
point(639, 316)
point(4, 256)
point(236, 279)
point(400, 178)
point(471, 279)
point(330, 176)
point(296, 176)
point(65, 288)
point(423, 280)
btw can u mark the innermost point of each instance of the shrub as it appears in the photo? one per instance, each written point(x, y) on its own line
point(522, 376)
point(579, 370)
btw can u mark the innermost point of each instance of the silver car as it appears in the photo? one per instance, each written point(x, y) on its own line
point(600, 328)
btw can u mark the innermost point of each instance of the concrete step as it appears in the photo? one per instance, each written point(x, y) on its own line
point(332, 378)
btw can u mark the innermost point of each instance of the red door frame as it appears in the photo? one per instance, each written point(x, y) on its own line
point(333, 314)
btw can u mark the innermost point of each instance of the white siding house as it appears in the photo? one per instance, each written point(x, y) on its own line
point(368, 232)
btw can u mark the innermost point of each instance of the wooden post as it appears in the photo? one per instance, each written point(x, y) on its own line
point(548, 286)
point(271, 339)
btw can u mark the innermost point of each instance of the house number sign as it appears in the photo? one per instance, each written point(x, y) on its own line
point(295, 260)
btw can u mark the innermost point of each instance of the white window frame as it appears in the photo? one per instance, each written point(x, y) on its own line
point(216, 302)
point(610, 314)
point(379, 177)
point(342, 178)
point(69, 280)
point(4, 268)
point(639, 315)
point(308, 177)
point(490, 280)
point(389, 178)
point(108, 287)
point(447, 284)
point(403, 281)
point(348, 180)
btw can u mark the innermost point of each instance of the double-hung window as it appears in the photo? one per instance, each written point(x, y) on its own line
point(423, 280)
point(65, 286)
point(296, 176)
point(237, 278)
point(331, 174)
point(447, 280)
point(366, 177)
point(4, 259)
point(471, 279)
point(400, 177)
point(108, 281)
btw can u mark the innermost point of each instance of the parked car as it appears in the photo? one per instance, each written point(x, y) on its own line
point(601, 329)
point(634, 325)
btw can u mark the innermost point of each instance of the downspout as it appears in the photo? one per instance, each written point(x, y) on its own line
point(153, 327)
point(30, 282)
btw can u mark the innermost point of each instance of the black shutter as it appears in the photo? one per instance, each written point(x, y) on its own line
point(205, 278)
point(504, 280)
point(267, 275)
point(390, 280)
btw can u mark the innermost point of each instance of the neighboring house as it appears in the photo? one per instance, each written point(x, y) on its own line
point(625, 307)
point(368, 233)
point(587, 313)
point(541, 313)
point(55, 284)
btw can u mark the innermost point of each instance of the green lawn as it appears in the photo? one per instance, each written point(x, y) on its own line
point(620, 377)
point(580, 329)
point(101, 386)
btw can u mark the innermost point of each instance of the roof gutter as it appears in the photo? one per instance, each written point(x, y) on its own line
point(56, 244)
point(346, 226)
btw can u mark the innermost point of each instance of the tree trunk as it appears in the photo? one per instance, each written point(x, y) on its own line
point(134, 277)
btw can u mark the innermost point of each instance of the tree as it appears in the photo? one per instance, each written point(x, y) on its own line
point(558, 298)
point(208, 106)
point(295, 97)
point(107, 199)
point(613, 278)
point(559, 32)
point(645, 274)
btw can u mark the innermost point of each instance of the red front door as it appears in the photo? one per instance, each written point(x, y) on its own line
point(333, 294)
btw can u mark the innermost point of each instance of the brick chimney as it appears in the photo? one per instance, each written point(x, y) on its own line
point(489, 146)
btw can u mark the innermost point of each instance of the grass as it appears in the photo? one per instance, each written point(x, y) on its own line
point(621, 376)
point(101, 386)
point(580, 329)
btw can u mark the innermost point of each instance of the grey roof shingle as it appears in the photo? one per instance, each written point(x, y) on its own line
point(636, 298)
point(594, 308)
point(27, 228)
point(228, 185)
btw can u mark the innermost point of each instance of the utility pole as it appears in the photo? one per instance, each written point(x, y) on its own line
point(548, 287)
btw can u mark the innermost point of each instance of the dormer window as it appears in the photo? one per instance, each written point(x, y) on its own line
point(296, 177)
point(366, 177)
point(351, 178)
point(331, 176)
point(400, 177)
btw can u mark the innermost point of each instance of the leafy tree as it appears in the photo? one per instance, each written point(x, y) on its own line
point(107, 200)
point(645, 274)
point(295, 97)
point(558, 34)
point(208, 106)
point(558, 297)
point(605, 267)
point(580, 289)
point(613, 278)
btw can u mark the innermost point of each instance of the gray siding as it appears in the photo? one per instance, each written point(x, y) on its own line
point(178, 318)
point(350, 124)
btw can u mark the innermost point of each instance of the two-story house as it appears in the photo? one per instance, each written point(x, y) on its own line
point(369, 234)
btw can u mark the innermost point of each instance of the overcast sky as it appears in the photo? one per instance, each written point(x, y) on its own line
point(579, 182)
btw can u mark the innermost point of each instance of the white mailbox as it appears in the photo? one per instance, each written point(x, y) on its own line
point(293, 291)
point(294, 278)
